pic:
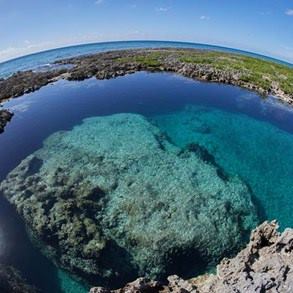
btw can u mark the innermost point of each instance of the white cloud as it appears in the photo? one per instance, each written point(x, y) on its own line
point(163, 9)
point(204, 17)
point(27, 48)
point(98, 2)
point(289, 12)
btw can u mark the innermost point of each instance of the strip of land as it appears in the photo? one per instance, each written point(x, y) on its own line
point(262, 76)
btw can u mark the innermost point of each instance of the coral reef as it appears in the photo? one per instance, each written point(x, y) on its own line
point(265, 265)
point(113, 199)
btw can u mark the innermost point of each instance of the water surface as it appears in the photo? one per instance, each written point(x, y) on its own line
point(248, 136)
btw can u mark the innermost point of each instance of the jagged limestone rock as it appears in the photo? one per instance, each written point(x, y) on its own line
point(113, 199)
point(265, 265)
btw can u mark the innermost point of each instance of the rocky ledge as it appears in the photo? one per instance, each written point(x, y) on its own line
point(266, 78)
point(265, 265)
point(5, 117)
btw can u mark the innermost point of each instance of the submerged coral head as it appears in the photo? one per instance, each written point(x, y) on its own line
point(113, 199)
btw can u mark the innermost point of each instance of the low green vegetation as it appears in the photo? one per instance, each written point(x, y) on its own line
point(151, 60)
point(261, 73)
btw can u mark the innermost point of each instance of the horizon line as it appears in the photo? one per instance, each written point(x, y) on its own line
point(150, 40)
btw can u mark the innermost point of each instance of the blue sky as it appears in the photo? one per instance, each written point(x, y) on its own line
point(263, 26)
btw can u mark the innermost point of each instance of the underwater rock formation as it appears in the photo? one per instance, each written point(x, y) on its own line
point(264, 149)
point(113, 199)
point(265, 265)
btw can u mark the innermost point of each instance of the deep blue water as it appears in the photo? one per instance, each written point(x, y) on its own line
point(249, 136)
point(44, 60)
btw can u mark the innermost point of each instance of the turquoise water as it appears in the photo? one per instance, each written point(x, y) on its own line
point(44, 60)
point(178, 154)
point(118, 200)
point(257, 151)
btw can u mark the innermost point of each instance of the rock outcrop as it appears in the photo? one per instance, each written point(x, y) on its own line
point(113, 199)
point(5, 117)
point(265, 265)
point(24, 82)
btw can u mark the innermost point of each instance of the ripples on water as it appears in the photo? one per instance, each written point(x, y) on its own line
point(246, 135)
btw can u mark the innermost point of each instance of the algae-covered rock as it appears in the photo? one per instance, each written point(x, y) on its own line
point(113, 199)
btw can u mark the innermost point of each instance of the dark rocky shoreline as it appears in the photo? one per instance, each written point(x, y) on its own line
point(112, 64)
point(5, 117)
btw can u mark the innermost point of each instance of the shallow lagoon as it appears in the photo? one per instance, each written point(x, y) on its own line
point(247, 136)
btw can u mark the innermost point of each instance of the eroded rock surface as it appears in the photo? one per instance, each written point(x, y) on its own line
point(113, 199)
point(24, 82)
point(5, 117)
point(265, 265)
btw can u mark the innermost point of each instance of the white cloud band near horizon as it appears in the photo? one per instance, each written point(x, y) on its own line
point(15, 52)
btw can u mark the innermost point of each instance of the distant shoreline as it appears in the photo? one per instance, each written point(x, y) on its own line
point(10, 66)
point(261, 76)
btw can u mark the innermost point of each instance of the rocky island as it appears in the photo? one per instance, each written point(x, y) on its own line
point(264, 77)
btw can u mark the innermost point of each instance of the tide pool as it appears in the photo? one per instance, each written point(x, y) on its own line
point(232, 133)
